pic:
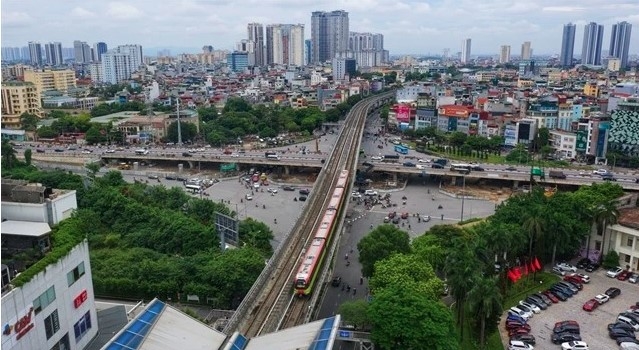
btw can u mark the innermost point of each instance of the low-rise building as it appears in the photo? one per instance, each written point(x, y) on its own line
point(563, 143)
point(624, 238)
point(19, 98)
point(35, 203)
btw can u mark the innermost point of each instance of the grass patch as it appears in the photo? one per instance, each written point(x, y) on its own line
point(470, 222)
point(528, 285)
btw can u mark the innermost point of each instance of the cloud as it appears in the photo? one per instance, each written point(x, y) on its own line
point(80, 12)
point(122, 11)
point(16, 19)
point(562, 9)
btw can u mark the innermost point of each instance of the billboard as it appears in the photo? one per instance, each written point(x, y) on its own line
point(510, 135)
point(582, 140)
point(402, 114)
point(228, 228)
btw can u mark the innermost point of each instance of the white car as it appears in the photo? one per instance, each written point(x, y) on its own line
point(256, 185)
point(567, 267)
point(521, 313)
point(519, 345)
point(575, 345)
point(530, 306)
point(634, 278)
point(600, 172)
point(602, 298)
point(582, 277)
point(424, 161)
point(86, 152)
point(370, 193)
point(420, 166)
point(272, 190)
point(613, 273)
point(356, 195)
point(628, 346)
point(377, 158)
point(248, 197)
point(110, 151)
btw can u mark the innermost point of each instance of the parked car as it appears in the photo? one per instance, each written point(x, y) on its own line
point(511, 168)
point(567, 267)
point(628, 344)
point(608, 177)
point(591, 305)
point(592, 267)
point(602, 298)
point(519, 312)
point(272, 190)
point(583, 263)
point(514, 317)
point(558, 338)
point(558, 294)
point(631, 315)
point(557, 270)
point(615, 333)
point(370, 193)
point(582, 277)
point(634, 278)
point(600, 172)
point(623, 275)
point(551, 296)
point(518, 331)
point(575, 345)
point(512, 325)
point(377, 158)
point(573, 286)
point(519, 345)
point(563, 327)
point(526, 338)
point(575, 280)
point(304, 191)
point(302, 199)
point(409, 164)
point(532, 307)
point(621, 325)
point(533, 299)
point(544, 298)
point(613, 292)
point(614, 272)
point(288, 188)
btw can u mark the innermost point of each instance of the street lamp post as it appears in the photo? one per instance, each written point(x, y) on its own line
point(463, 196)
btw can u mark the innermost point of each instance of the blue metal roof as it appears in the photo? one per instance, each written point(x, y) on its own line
point(133, 335)
point(323, 338)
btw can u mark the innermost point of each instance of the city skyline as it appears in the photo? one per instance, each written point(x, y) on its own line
point(409, 27)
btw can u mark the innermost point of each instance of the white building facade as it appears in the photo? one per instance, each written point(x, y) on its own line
point(55, 309)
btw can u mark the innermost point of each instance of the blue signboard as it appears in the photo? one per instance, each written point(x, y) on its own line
point(345, 334)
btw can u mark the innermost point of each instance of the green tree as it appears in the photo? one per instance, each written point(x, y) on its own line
point(256, 234)
point(428, 248)
point(461, 265)
point(9, 159)
point(207, 114)
point(379, 244)
point(55, 114)
point(189, 131)
point(542, 138)
point(236, 104)
point(485, 302)
point(534, 225)
point(29, 121)
point(610, 260)
point(457, 138)
point(355, 313)
point(46, 132)
point(27, 156)
point(406, 267)
point(94, 135)
point(403, 319)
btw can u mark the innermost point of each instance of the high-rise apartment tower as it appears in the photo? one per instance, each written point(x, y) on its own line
point(593, 39)
point(620, 42)
point(329, 35)
point(567, 45)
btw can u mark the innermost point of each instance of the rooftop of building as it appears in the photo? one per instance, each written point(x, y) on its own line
point(20, 191)
point(161, 326)
point(25, 228)
point(629, 217)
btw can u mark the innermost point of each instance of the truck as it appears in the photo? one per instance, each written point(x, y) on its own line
point(556, 174)
point(270, 153)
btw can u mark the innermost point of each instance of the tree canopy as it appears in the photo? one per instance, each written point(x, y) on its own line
point(382, 242)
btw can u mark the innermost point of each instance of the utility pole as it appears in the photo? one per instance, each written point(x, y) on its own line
point(178, 122)
point(463, 196)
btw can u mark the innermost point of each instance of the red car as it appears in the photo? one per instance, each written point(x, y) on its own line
point(590, 305)
point(510, 326)
point(517, 331)
point(574, 279)
point(551, 296)
point(623, 275)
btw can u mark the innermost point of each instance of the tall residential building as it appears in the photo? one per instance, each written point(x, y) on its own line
point(296, 45)
point(18, 98)
point(593, 39)
point(367, 49)
point(567, 45)
point(285, 44)
point(329, 35)
point(82, 52)
point(274, 44)
point(307, 51)
point(526, 51)
point(465, 52)
point(504, 55)
point(247, 46)
point(35, 53)
point(60, 80)
point(620, 42)
point(54, 53)
point(256, 35)
point(99, 49)
point(343, 67)
point(119, 63)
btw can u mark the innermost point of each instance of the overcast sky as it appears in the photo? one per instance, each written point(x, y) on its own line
point(409, 26)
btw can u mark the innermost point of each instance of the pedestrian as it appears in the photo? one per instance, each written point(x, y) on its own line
point(354, 291)
point(361, 280)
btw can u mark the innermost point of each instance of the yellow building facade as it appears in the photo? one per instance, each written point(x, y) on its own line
point(47, 80)
point(19, 98)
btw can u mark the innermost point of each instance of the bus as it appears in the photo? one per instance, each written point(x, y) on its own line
point(390, 158)
point(461, 167)
point(193, 188)
point(141, 151)
point(401, 149)
point(273, 157)
point(269, 153)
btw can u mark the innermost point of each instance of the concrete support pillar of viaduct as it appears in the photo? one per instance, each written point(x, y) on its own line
point(515, 183)
point(453, 180)
point(190, 164)
point(395, 177)
point(287, 170)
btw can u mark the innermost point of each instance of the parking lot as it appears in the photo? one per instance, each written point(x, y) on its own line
point(593, 324)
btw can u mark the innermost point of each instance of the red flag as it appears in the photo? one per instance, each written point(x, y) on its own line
point(517, 272)
point(533, 268)
point(525, 269)
point(537, 264)
point(511, 276)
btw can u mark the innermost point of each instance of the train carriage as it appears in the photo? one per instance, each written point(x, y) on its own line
point(310, 263)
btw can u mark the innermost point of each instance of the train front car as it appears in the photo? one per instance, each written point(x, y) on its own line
point(311, 262)
point(343, 179)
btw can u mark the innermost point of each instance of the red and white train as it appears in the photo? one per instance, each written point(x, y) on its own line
point(316, 250)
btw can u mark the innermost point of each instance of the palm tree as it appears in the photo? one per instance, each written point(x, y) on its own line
point(534, 225)
point(460, 266)
point(484, 301)
point(605, 214)
point(8, 154)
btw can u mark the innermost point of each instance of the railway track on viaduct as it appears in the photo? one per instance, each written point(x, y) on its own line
point(271, 305)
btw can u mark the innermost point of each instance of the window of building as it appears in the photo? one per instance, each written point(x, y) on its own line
point(626, 258)
point(51, 324)
point(63, 344)
point(75, 274)
point(46, 298)
point(82, 327)
point(597, 245)
point(630, 241)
